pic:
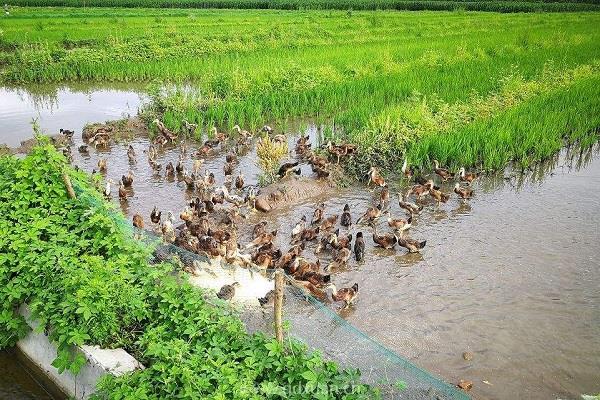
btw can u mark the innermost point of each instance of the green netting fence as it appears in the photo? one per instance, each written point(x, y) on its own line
point(308, 319)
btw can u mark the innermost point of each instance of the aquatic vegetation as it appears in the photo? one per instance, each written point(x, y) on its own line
point(270, 153)
point(74, 262)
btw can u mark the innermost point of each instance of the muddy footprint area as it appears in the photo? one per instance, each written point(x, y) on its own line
point(503, 276)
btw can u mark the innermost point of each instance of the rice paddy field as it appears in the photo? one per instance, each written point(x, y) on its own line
point(479, 89)
point(486, 85)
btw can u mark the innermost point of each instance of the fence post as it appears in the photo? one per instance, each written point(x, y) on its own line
point(279, 282)
point(69, 186)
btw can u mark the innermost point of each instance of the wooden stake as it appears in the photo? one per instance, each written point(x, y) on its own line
point(279, 282)
point(67, 182)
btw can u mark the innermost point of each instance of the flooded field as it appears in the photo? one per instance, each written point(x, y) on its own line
point(510, 276)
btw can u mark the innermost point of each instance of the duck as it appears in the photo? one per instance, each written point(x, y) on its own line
point(443, 173)
point(69, 134)
point(219, 136)
point(100, 139)
point(386, 241)
point(197, 166)
point(227, 292)
point(298, 228)
point(341, 259)
point(127, 180)
point(329, 223)
point(262, 239)
point(322, 173)
point(84, 149)
point(420, 190)
point(155, 215)
point(346, 219)
point(243, 133)
point(463, 192)
point(303, 267)
point(267, 129)
point(102, 165)
point(371, 214)
point(407, 171)
point(286, 168)
point(166, 133)
point(317, 161)
point(190, 180)
point(338, 241)
point(179, 167)
point(268, 299)
point(359, 247)
point(232, 198)
point(438, 195)
point(341, 150)
point(239, 181)
point(310, 234)
point(227, 169)
point(152, 153)
point(167, 228)
point(316, 278)
point(122, 192)
point(314, 290)
point(376, 178)
point(412, 208)
point(347, 295)
point(259, 229)
point(384, 195)
point(160, 140)
point(131, 154)
point(138, 221)
point(182, 149)
point(189, 128)
point(107, 189)
point(170, 169)
point(318, 214)
point(468, 177)
point(399, 224)
point(204, 151)
point(412, 245)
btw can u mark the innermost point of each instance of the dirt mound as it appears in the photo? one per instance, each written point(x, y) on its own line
point(291, 191)
point(122, 128)
point(58, 140)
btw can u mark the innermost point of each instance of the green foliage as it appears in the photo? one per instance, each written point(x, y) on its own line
point(349, 5)
point(86, 281)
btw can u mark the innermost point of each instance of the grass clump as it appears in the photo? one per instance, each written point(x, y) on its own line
point(270, 153)
point(88, 282)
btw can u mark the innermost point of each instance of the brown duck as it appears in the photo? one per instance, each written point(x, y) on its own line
point(386, 241)
point(347, 295)
point(443, 173)
point(412, 245)
point(463, 192)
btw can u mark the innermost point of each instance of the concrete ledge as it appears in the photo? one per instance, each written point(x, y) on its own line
point(41, 352)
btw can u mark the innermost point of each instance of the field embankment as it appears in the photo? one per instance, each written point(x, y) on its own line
point(423, 83)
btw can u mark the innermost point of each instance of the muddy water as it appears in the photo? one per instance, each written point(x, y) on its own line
point(511, 276)
point(68, 108)
point(16, 383)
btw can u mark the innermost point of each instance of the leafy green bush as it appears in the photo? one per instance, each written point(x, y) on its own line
point(88, 282)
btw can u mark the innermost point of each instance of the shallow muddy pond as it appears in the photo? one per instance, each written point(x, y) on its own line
point(510, 276)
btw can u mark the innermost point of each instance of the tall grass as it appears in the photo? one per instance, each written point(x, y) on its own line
point(481, 5)
point(530, 132)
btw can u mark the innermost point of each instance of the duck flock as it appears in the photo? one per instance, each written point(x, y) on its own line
point(209, 224)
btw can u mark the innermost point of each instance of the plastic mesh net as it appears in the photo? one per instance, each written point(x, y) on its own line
point(307, 318)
